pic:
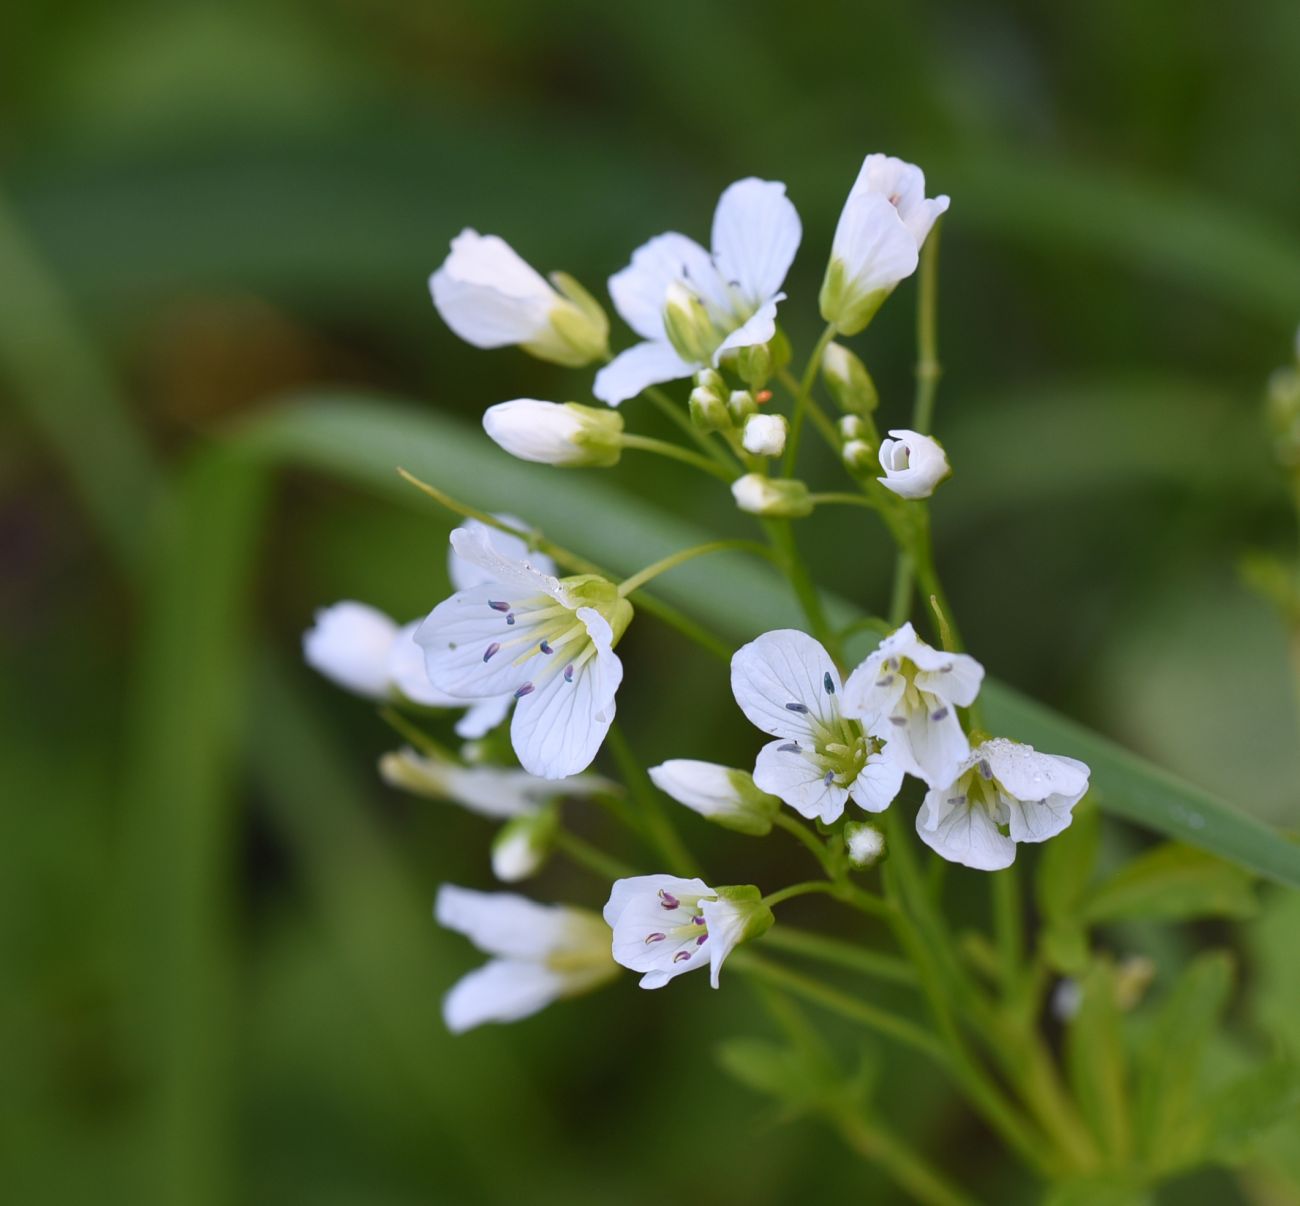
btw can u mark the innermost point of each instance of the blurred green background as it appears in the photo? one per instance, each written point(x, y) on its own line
point(221, 979)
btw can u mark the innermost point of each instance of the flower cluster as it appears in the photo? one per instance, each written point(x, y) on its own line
point(516, 641)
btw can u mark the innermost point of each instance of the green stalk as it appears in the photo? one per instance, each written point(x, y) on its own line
point(639, 579)
point(579, 850)
point(803, 889)
point(905, 1167)
point(801, 401)
point(838, 953)
point(655, 823)
point(682, 420)
point(678, 453)
point(782, 539)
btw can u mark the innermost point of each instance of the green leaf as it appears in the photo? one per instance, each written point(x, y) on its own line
point(363, 439)
point(1169, 1065)
point(1244, 1112)
point(1095, 1057)
point(796, 1081)
point(1097, 1191)
point(1064, 869)
point(1172, 882)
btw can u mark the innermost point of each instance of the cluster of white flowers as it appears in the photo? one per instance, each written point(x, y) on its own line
point(516, 640)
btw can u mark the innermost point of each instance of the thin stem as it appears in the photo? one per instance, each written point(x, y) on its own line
point(839, 953)
point(803, 889)
point(783, 544)
point(579, 850)
point(900, 602)
point(844, 499)
point(675, 413)
point(841, 1003)
point(801, 401)
point(1009, 928)
point(907, 1168)
point(415, 735)
point(808, 838)
point(655, 822)
point(639, 579)
point(677, 453)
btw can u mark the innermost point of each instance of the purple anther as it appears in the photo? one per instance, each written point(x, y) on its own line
point(545, 647)
point(655, 937)
point(828, 683)
point(796, 707)
point(828, 778)
point(790, 747)
point(526, 689)
point(498, 606)
point(668, 900)
point(510, 618)
point(568, 673)
point(681, 956)
point(490, 651)
point(939, 714)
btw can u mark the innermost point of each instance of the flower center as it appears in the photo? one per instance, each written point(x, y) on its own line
point(543, 638)
point(684, 929)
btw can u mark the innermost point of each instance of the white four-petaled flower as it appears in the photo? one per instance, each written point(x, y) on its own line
point(720, 302)
point(548, 642)
point(1004, 793)
point(914, 464)
point(787, 685)
point(540, 954)
point(907, 694)
point(664, 926)
point(556, 433)
point(492, 298)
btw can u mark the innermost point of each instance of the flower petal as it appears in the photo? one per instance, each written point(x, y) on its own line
point(503, 990)
point(465, 574)
point(482, 716)
point(726, 925)
point(950, 826)
point(350, 644)
point(488, 295)
point(779, 680)
point(758, 328)
point(407, 672)
point(638, 368)
point(877, 784)
point(876, 248)
point(559, 726)
point(640, 290)
point(756, 233)
point(501, 923)
point(799, 780)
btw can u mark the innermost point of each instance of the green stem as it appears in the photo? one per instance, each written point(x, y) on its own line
point(907, 1168)
point(808, 838)
point(415, 735)
point(677, 453)
point(803, 889)
point(839, 953)
point(846, 1006)
point(781, 536)
point(595, 860)
point(801, 401)
point(1008, 927)
point(682, 420)
point(654, 819)
point(844, 499)
point(639, 579)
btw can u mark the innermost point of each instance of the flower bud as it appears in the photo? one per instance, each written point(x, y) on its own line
point(865, 843)
point(754, 364)
point(551, 433)
point(783, 498)
point(740, 405)
point(848, 380)
point(914, 464)
point(709, 398)
point(689, 328)
point(351, 644)
point(725, 796)
point(765, 434)
point(859, 456)
point(523, 844)
point(852, 428)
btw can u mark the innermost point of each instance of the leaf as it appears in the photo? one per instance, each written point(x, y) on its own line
point(363, 439)
point(1064, 869)
point(1249, 1108)
point(800, 1084)
point(1097, 1191)
point(1172, 882)
point(1169, 1065)
point(1095, 1057)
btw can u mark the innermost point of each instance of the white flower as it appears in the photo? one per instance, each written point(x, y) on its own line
point(492, 298)
point(664, 926)
point(914, 464)
point(864, 843)
point(907, 694)
point(554, 433)
point(541, 954)
point(781, 496)
point(522, 845)
point(546, 641)
point(350, 644)
point(878, 239)
point(720, 793)
point(787, 685)
point(1004, 793)
point(721, 302)
point(764, 435)
point(498, 792)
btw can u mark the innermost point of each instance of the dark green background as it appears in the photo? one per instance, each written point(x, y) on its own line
point(216, 920)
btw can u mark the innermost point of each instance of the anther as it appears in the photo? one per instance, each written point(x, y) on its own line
point(796, 707)
point(655, 938)
point(668, 900)
point(526, 689)
point(829, 778)
point(900, 721)
point(701, 940)
point(887, 681)
point(498, 606)
point(545, 647)
point(681, 956)
point(985, 769)
point(491, 650)
point(568, 673)
point(510, 617)
point(939, 714)
point(891, 664)
point(790, 747)
point(828, 684)
point(698, 919)
point(958, 800)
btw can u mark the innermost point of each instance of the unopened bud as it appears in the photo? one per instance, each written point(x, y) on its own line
point(859, 455)
point(689, 328)
point(848, 380)
point(783, 498)
point(754, 364)
point(741, 404)
point(724, 795)
point(852, 428)
point(522, 845)
point(865, 843)
point(551, 433)
point(764, 435)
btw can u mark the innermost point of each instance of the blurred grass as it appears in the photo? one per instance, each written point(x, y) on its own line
point(209, 203)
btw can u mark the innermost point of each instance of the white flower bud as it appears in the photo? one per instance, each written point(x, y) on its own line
point(865, 843)
point(852, 428)
point(350, 644)
point(848, 380)
point(689, 328)
point(914, 464)
point(492, 298)
point(725, 796)
point(553, 433)
point(762, 495)
point(740, 405)
point(523, 844)
point(709, 410)
point(765, 435)
point(858, 455)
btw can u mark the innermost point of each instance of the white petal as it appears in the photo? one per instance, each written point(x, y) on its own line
point(783, 668)
point(638, 368)
point(350, 644)
point(483, 716)
point(800, 781)
point(758, 328)
point(501, 923)
point(406, 671)
point(939, 747)
point(961, 833)
point(643, 891)
point(488, 295)
point(877, 784)
point(465, 574)
point(1029, 775)
point(756, 233)
point(705, 787)
point(545, 433)
point(640, 290)
point(559, 725)
point(904, 185)
point(495, 791)
point(504, 990)
point(876, 248)
point(654, 933)
point(516, 856)
point(726, 925)
point(473, 544)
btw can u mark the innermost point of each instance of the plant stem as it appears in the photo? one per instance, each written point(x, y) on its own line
point(839, 953)
point(679, 417)
point(843, 498)
point(415, 735)
point(803, 889)
point(654, 819)
point(801, 401)
point(579, 850)
point(906, 1167)
point(841, 1003)
point(639, 579)
point(1008, 928)
point(808, 838)
point(678, 453)
point(783, 544)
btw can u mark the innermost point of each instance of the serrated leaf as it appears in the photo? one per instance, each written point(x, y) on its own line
point(1172, 882)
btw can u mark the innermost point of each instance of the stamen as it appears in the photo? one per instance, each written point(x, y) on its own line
point(829, 778)
point(985, 769)
point(957, 800)
point(939, 714)
point(526, 689)
point(655, 938)
point(946, 669)
point(891, 663)
point(510, 618)
point(701, 940)
point(545, 646)
point(568, 673)
point(900, 721)
point(682, 956)
point(887, 681)
point(498, 606)
point(668, 900)
point(827, 683)
point(796, 707)
point(698, 919)
point(492, 649)
point(790, 747)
